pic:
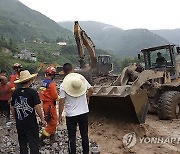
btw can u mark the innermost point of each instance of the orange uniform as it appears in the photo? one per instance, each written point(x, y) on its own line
point(5, 92)
point(13, 78)
point(49, 95)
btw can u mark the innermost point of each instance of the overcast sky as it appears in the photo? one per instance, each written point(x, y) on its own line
point(126, 14)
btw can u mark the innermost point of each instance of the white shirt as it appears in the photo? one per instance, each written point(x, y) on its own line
point(75, 105)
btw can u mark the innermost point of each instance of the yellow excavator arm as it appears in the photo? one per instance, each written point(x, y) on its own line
point(82, 39)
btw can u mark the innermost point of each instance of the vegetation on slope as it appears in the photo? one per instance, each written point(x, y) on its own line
point(22, 23)
point(125, 43)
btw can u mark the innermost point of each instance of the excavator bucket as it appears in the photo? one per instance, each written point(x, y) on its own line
point(118, 103)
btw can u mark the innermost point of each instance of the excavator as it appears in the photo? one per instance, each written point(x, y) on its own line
point(100, 67)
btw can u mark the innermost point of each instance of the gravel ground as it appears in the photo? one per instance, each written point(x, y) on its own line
point(9, 143)
point(108, 135)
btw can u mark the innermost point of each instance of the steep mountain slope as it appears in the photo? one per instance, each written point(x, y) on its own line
point(173, 35)
point(21, 22)
point(123, 42)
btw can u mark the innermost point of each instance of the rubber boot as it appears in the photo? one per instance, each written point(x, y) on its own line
point(41, 140)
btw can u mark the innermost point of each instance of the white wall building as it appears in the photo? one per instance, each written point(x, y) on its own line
point(27, 55)
point(62, 43)
point(56, 54)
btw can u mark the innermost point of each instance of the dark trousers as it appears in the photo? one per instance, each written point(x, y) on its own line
point(28, 137)
point(5, 108)
point(82, 121)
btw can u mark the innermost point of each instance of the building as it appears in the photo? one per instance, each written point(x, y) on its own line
point(27, 55)
point(55, 54)
point(62, 43)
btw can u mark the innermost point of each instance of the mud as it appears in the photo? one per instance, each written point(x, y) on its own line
point(109, 135)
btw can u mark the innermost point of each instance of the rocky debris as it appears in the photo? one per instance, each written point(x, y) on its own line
point(9, 142)
point(61, 144)
point(8, 138)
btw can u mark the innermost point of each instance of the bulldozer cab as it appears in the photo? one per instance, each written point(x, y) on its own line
point(162, 58)
point(105, 65)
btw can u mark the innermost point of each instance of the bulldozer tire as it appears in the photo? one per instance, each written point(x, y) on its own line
point(169, 105)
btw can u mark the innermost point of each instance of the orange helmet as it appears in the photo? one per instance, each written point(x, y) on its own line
point(16, 66)
point(50, 70)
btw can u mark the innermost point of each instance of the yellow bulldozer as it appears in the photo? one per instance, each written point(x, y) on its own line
point(162, 83)
point(155, 87)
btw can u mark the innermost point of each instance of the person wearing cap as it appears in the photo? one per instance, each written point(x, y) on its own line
point(74, 92)
point(25, 101)
point(49, 95)
point(5, 96)
point(17, 68)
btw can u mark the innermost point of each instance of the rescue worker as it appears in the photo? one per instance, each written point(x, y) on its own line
point(17, 68)
point(49, 95)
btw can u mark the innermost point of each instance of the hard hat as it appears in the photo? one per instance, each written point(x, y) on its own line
point(50, 70)
point(17, 65)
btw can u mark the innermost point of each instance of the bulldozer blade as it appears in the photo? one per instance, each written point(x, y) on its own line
point(128, 108)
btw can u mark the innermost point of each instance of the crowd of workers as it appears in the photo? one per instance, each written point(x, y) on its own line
point(26, 104)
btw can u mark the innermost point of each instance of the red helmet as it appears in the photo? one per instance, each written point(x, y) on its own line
point(16, 66)
point(50, 70)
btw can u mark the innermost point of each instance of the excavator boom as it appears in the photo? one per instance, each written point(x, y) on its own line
point(82, 39)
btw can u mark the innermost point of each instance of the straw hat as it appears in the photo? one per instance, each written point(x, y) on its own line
point(25, 76)
point(75, 84)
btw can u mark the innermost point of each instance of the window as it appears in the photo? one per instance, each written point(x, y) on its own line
point(152, 56)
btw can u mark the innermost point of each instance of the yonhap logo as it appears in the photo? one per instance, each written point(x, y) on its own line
point(129, 139)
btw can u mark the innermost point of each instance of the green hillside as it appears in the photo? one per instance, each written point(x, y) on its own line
point(123, 42)
point(20, 22)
